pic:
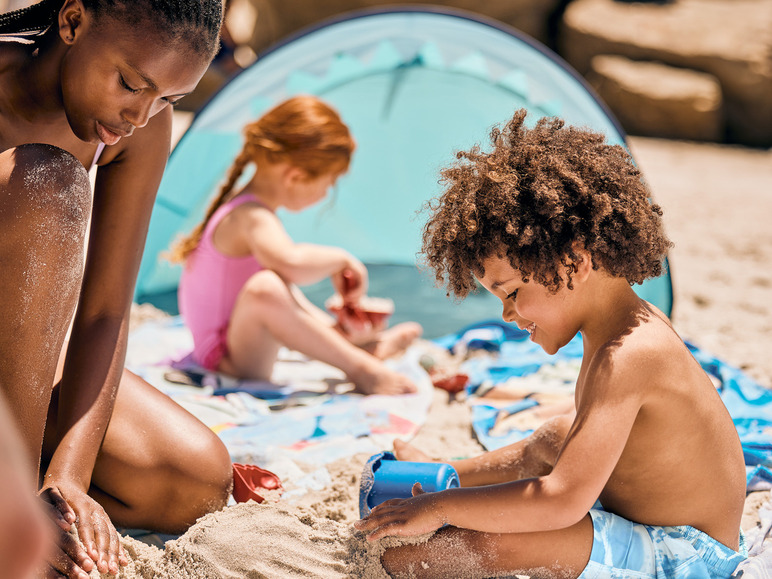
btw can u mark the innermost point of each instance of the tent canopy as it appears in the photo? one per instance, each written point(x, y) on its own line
point(414, 86)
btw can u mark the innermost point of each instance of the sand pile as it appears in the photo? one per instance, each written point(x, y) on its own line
point(311, 536)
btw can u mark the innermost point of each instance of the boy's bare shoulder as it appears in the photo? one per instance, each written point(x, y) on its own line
point(648, 351)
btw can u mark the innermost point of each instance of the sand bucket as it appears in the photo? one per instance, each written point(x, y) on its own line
point(384, 477)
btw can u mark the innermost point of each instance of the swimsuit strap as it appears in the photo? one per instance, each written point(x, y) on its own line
point(100, 148)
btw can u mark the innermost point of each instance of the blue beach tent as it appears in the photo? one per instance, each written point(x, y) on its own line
point(415, 85)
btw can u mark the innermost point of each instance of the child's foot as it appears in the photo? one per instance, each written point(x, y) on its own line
point(408, 452)
point(384, 381)
point(395, 340)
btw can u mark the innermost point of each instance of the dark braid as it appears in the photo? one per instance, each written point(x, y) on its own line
point(176, 18)
point(35, 18)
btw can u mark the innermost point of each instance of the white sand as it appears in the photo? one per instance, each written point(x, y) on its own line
point(717, 202)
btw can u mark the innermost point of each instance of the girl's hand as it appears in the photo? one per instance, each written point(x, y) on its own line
point(351, 282)
point(404, 517)
point(101, 546)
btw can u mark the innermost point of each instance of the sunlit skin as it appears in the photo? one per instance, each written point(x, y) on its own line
point(90, 82)
point(271, 311)
point(649, 429)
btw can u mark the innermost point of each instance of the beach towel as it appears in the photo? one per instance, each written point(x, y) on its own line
point(306, 415)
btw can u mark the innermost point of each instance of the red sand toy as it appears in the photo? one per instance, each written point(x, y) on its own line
point(451, 382)
point(370, 311)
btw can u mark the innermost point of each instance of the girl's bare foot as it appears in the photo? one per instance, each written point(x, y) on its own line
point(395, 340)
point(383, 380)
point(408, 452)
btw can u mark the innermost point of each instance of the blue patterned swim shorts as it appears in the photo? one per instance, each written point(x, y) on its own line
point(621, 548)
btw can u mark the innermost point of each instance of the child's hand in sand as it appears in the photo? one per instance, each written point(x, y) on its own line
point(404, 517)
point(99, 544)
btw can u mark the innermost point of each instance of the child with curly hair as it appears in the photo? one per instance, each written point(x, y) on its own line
point(557, 224)
point(238, 293)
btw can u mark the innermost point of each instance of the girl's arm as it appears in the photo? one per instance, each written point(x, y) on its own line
point(299, 263)
point(125, 190)
point(605, 417)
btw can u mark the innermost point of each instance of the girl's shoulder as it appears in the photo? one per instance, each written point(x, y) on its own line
point(245, 208)
point(249, 205)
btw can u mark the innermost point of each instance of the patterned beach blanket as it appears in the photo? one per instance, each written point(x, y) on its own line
point(305, 415)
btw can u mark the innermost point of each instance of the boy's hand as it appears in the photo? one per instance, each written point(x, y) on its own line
point(100, 544)
point(404, 517)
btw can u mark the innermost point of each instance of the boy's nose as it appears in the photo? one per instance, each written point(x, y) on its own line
point(508, 313)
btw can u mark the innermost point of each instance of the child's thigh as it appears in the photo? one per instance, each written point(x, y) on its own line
point(149, 438)
point(252, 347)
point(460, 553)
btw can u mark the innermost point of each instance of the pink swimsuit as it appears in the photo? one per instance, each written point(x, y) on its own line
point(208, 289)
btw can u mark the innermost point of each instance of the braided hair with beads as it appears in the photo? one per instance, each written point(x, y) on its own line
point(176, 18)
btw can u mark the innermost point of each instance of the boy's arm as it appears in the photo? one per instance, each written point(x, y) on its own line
point(606, 411)
point(297, 263)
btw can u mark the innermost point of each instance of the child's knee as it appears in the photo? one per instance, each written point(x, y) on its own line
point(266, 287)
point(211, 470)
point(199, 483)
point(46, 184)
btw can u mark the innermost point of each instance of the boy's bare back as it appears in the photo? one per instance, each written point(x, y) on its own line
point(682, 451)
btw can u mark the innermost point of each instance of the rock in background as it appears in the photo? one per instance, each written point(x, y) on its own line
point(275, 19)
point(684, 69)
point(656, 100)
point(728, 39)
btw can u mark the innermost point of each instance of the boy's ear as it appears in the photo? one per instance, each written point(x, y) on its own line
point(582, 265)
point(70, 20)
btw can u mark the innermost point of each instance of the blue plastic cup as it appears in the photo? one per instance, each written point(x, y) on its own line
point(384, 477)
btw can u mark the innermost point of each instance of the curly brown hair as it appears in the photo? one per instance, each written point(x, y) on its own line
point(532, 198)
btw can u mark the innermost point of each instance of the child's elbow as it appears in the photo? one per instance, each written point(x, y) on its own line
point(289, 269)
point(569, 506)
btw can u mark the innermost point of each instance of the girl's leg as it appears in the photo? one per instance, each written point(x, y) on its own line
point(382, 343)
point(266, 315)
point(395, 340)
point(452, 552)
point(532, 456)
point(159, 467)
point(45, 197)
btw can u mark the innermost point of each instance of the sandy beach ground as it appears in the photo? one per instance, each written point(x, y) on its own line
point(717, 203)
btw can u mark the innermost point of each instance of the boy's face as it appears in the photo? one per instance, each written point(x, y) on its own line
point(545, 315)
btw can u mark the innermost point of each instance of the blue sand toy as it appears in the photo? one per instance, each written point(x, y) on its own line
point(384, 477)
